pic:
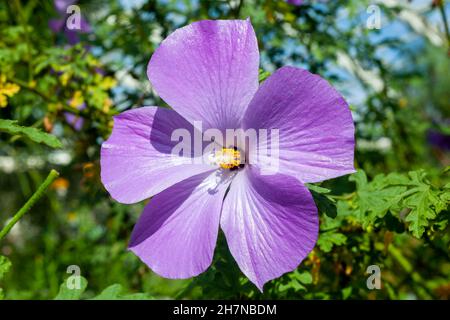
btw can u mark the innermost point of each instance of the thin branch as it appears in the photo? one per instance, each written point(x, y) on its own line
point(27, 206)
point(444, 18)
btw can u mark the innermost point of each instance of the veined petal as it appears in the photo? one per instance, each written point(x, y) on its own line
point(136, 161)
point(208, 71)
point(172, 238)
point(270, 223)
point(316, 131)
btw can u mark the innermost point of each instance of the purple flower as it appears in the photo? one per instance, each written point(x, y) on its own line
point(62, 5)
point(439, 139)
point(74, 120)
point(295, 2)
point(59, 25)
point(208, 72)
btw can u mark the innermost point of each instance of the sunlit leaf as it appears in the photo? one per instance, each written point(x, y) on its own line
point(69, 289)
point(115, 292)
point(34, 134)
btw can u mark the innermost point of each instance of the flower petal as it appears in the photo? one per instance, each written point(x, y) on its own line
point(136, 161)
point(62, 5)
point(295, 2)
point(85, 26)
point(174, 240)
point(316, 131)
point(208, 71)
point(56, 24)
point(74, 120)
point(270, 223)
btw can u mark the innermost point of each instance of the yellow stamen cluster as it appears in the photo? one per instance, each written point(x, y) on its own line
point(228, 158)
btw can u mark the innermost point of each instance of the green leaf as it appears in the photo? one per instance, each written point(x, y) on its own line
point(421, 212)
point(374, 199)
point(5, 265)
point(424, 201)
point(263, 75)
point(394, 193)
point(304, 277)
point(316, 188)
point(68, 291)
point(34, 134)
point(346, 293)
point(329, 239)
point(296, 281)
point(360, 178)
point(115, 292)
point(325, 204)
point(295, 285)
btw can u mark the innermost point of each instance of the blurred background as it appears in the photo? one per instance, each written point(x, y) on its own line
point(388, 58)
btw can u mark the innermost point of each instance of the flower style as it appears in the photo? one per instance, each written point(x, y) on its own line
point(208, 72)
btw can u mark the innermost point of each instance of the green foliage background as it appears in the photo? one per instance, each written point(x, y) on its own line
point(392, 213)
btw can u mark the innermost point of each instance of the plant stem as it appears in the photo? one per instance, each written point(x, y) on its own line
point(27, 206)
point(343, 197)
point(408, 267)
point(24, 23)
point(444, 18)
point(65, 106)
point(25, 85)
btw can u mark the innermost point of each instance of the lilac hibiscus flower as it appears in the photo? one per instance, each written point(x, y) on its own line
point(208, 72)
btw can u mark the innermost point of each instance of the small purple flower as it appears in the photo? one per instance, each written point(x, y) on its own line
point(295, 2)
point(439, 139)
point(208, 72)
point(74, 120)
point(59, 25)
point(62, 5)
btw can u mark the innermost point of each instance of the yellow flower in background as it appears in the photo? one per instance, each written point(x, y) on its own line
point(403, 103)
point(60, 184)
point(107, 83)
point(3, 101)
point(104, 82)
point(7, 89)
point(71, 217)
point(64, 78)
point(107, 103)
point(77, 99)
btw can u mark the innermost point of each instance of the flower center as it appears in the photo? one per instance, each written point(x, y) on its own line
point(228, 158)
